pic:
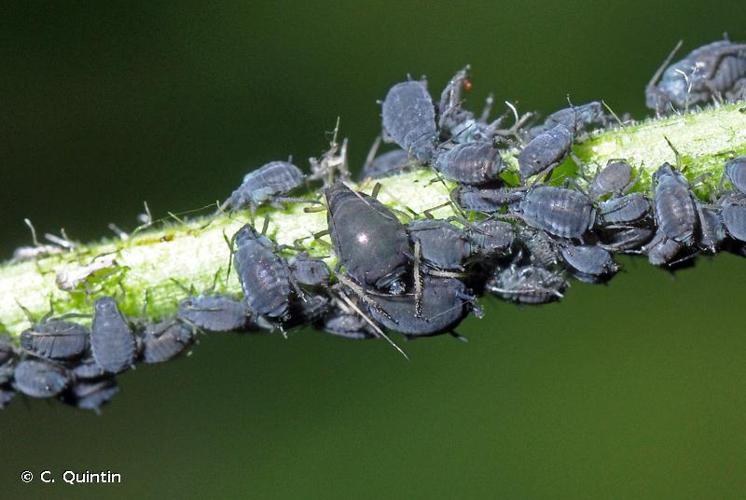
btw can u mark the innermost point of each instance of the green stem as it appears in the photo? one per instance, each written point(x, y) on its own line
point(150, 272)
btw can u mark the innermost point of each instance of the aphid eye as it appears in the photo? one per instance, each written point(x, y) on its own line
point(467, 85)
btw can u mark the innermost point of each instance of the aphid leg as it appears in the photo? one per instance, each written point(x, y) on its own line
point(376, 189)
point(417, 279)
point(360, 292)
point(372, 153)
point(379, 333)
point(429, 212)
point(458, 336)
point(231, 244)
point(33, 231)
point(313, 210)
point(265, 226)
point(487, 110)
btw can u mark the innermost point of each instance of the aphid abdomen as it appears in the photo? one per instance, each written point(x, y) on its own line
point(409, 119)
point(112, 341)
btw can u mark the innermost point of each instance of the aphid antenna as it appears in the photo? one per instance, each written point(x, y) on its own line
point(372, 152)
point(679, 164)
point(188, 290)
point(376, 328)
point(489, 101)
point(360, 292)
point(31, 227)
point(657, 75)
point(176, 218)
point(231, 242)
point(29, 316)
point(613, 114)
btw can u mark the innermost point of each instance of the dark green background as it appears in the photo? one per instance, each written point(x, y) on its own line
point(633, 390)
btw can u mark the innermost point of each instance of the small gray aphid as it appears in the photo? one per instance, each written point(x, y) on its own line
point(527, 284)
point(40, 379)
point(615, 177)
point(734, 219)
point(627, 239)
point(562, 212)
point(56, 339)
point(265, 184)
point(443, 245)
point(386, 164)
point(409, 119)
point(624, 210)
point(716, 69)
point(711, 229)
point(545, 151)
point(491, 237)
point(473, 163)
point(589, 262)
point(444, 304)
point(112, 341)
point(214, 313)
point(88, 395)
point(264, 277)
point(675, 212)
point(165, 340)
point(662, 250)
point(486, 200)
point(369, 241)
point(542, 251)
point(309, 271)
point(576, 118)
point(735, 171)
point(349, 326)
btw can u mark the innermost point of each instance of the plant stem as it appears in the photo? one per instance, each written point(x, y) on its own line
point(151, 271)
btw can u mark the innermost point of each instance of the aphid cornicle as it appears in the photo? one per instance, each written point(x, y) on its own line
point(56, 339)
point(40, 379)
point(444, 302)
point(675, 212)
point(265, 184)
point(369, 241)
point(112, 341)
point(214, 313)
point(615, 177)
point(409, 119)
point(527, 284)
point(472, 163)
point(264, 277)
point(545, 151)
point(443, 245)
point(165, 340)
point(735, 172)
point(562, 212)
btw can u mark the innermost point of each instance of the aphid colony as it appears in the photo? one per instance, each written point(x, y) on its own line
point(417, 275)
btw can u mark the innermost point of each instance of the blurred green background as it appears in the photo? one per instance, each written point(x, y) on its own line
point(632, 390)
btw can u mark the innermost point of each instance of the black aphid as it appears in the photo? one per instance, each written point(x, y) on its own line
point(165, 340)
point(615, 177)
point(675, 211)
point(473, 163)
point(443, 245)
point(735, 171)
point(527, 284)
point(486, 200)
point(491, 237)
point(711, 229)
point(576, 118)
point(625, 210)
point(264, 277)
point(40, 379)
point(348, 325)
point(628, 239)
point(734, 218)
point(545, 151)
point(87, 369)
point(266, 184)
point(389, 163)
point(541, 249)
point(445, 302)
point(713, 70)
point(92, 395)
point(311, 308)
point(409, 119)
point(112, 341)
point(589, 262)
point(369, 241)
point(309, 271)
point(562, 212)
point(663, 251)
point(214, 313)
point(56, 339)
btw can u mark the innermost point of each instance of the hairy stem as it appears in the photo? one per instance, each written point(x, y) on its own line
point(153, 269)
